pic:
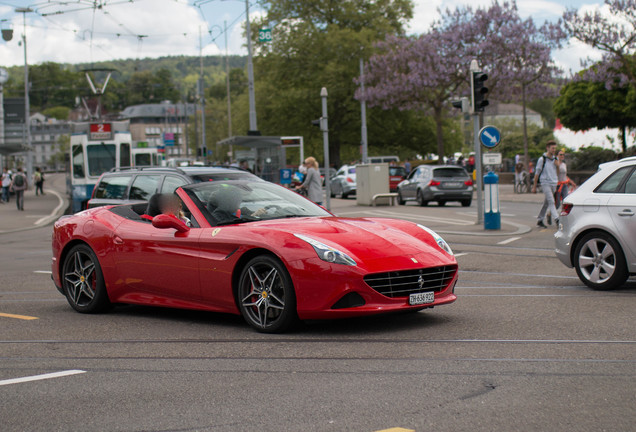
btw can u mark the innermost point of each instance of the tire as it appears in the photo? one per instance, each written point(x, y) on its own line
point(266, 296)
point(466, 203)
point(400, 200)
point(420, 199)
point(600, 262)
point(344, 195)
point(83, 281)
point(441, 203)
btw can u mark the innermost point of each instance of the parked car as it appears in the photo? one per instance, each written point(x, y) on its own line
point(441, 183)
point(344, 182)
point(136, 185)
point(597, 226)
point(396, 175)
point(280, 259)
point(332, 173)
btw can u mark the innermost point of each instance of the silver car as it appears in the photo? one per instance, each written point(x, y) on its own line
point(344, 182)
point(597, 226)
point(441, 183)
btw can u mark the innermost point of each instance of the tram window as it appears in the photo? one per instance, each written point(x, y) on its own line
point(124, 155)
point(112, 187)
point(170, 183)
point(144, 186)
point(78, 162)
point(142, 159)
point(101, 158)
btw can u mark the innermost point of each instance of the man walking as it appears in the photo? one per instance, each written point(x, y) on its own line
point(546, 172)
point(19, 184)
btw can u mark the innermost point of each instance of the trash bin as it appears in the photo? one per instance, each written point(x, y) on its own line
point(492, 214)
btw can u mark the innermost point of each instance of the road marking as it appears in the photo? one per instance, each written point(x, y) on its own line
point(41, 377)
point(396, 429)
point(43, 271)
point(519, 274)
point(420, 217)
point(22, 317)
point(510, 240)
point(461, 254)
point(53, 215)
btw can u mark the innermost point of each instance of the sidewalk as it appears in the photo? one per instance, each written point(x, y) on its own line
point(38, 210)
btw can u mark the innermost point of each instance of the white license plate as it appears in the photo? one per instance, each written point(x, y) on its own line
point(453, 184)
point(422, 298)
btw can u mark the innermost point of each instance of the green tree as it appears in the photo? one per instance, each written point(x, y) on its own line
point(318, 43)
point(583, 105)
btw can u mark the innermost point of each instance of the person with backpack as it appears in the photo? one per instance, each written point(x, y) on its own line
point(19, 184)
point(546, 172)
point(38, 179)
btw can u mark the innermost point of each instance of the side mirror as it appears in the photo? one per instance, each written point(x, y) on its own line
point(164, 221)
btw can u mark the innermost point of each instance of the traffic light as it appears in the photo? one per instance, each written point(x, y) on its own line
point(461, 104)
point(479, 91)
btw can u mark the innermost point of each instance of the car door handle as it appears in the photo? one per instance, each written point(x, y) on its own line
point(626, 212)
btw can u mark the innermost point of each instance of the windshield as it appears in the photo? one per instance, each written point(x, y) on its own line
point(101, 158)
point(449, 172)
point(231, 202)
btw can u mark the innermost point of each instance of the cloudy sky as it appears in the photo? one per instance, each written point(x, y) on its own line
point(73, 31)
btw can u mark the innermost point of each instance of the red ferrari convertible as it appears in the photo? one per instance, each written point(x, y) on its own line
point(251, 248)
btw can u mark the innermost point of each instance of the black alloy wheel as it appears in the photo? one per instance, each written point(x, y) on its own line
point(83, 281)
point(266, 295)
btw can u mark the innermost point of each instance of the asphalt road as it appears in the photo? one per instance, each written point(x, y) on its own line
point(525, 347)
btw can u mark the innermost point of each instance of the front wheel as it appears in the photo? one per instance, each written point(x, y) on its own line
point(83, 281)
point(266, 295)
point(600, 262)
point(400, 199)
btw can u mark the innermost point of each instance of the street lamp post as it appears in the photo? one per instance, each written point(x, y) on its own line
point(474, 67)
point(363, 113)
point(27, 123)
point(324, 126)
point(250, 72)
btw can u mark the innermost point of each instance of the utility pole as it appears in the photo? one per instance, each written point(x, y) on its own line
point(474, 68)
point(202, 99)
point(324, 126)
point(250, 73)
point(363, 113)
point(27, 109)
point(227, 85)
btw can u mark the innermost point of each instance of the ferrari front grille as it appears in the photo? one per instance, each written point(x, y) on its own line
point(406, 282)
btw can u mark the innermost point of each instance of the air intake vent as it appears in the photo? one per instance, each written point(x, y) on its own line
point(404, 283)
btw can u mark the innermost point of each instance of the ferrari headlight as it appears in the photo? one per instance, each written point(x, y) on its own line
point(438, 239)
point(327, 253)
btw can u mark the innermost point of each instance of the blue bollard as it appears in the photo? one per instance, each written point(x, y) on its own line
point(492, 215)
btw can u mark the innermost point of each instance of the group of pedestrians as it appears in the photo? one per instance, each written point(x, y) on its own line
point(551, 172)
point(18, 183)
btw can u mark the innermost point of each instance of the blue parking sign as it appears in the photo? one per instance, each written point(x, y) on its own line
point(285, 176)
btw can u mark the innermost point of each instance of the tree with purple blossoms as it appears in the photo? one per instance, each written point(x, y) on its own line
point(603, 95)
point(426, 72)
point(611, 30)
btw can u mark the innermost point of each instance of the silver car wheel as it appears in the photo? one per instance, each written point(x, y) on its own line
point(597, 260)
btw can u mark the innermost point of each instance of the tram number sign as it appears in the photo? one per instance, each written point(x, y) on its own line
point(101, 131)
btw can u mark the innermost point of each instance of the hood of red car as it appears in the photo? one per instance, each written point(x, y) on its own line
point(364, 237)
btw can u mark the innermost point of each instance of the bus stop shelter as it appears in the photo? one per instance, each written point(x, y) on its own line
point(264, 154)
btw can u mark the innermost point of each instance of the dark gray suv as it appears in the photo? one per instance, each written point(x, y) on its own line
point(136, 185)
point(441, 183)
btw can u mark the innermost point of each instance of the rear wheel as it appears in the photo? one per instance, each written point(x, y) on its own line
point(600, 262)
point(441, 203)
point(266, 295)
point(344, 195)
point(83, 281)
point(466, 203)
point(420, 199)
